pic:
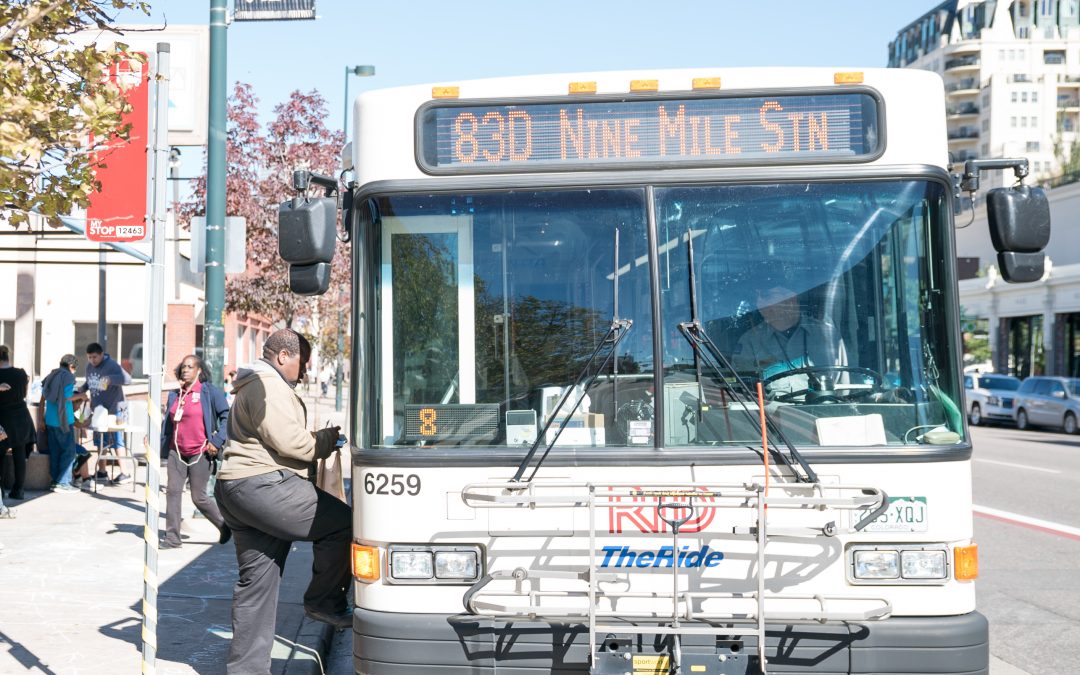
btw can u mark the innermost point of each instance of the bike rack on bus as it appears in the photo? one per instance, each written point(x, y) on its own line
point(686, 615)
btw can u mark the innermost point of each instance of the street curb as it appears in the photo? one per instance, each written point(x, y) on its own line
point(312, 646)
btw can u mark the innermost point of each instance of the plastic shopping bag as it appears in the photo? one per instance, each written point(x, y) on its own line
point(329, 476)
point(99, 419)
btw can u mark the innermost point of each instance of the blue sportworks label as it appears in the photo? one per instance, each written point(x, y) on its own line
point(624, 556)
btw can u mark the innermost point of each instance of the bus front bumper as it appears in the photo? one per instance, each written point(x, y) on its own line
point(386, 643)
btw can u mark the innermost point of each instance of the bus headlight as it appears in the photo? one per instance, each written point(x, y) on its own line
point(923, 564)
point(455, 564)
point(411, 565)
point(892, 564)
point(434, 563)
point(877, 565)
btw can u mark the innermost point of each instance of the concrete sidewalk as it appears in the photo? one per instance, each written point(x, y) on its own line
point(73, 581)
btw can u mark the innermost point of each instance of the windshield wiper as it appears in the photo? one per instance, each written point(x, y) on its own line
point(705, 350)
point(609, 343)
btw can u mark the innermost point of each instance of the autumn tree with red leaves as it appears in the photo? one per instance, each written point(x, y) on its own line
point(258, 176)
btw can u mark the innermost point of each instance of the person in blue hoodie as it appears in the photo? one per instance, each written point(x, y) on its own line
point(58, 390)
point(105, 381)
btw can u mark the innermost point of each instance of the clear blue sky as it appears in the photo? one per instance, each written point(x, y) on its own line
point(418, 41)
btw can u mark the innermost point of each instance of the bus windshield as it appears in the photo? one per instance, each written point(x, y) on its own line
point(830, 295)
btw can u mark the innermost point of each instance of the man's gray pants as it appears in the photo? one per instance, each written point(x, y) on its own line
point(267, 513)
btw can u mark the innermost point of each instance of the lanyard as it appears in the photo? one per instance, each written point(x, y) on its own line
point(784, 351)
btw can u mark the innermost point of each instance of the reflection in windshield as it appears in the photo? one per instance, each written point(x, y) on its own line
point(831, 295)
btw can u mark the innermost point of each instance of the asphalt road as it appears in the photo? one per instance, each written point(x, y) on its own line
point(1027, 523)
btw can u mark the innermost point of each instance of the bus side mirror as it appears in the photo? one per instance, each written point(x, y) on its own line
point(1019, 229)
point(307, 235)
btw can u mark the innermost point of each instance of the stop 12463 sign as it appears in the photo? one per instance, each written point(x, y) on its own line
point(117, 213)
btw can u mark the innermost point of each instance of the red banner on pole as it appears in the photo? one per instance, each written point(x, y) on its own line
point(117, 213)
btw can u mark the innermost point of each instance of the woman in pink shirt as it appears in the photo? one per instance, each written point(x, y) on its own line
point(192, 433)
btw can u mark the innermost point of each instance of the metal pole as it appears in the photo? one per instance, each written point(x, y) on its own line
point(102, 325)
point(340, 355)
point(213, 330)
point(359, 71)
point(174, 178)
point(153, 337)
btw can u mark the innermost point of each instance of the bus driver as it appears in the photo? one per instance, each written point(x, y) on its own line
point(786, 340)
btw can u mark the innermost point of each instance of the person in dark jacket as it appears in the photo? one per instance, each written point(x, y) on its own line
point(15, 420)
point(105, 381)
point(192, 433)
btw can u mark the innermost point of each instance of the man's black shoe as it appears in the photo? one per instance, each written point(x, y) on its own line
point(339, 620)
point(226, 534)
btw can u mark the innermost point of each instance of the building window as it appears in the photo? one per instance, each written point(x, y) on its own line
point(1013, 97)
point(1054, 58)
point(985, 149)
point(124, 344)
point(240, 356)
point(1034, 97)
point(986, 125)
point(1012, 122)
point(1046, 8)
point(1023, 122)
point(1023, 97)
point(1033, 146)
point(986, 100)
point(1034, 122)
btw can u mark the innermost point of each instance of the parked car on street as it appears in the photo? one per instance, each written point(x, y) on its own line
point(990, 397)
point(1050, 402)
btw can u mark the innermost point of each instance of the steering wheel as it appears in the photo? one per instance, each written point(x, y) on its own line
point(817, 393)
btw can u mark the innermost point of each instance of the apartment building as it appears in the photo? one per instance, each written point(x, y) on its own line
point(1011, 70)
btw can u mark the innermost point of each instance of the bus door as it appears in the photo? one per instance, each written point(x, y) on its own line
point(437, 336)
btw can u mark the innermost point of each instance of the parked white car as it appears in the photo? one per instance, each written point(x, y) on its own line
point(990, 397)
point(1050, 402)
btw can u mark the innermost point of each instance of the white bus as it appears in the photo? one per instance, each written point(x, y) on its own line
point(659, 372)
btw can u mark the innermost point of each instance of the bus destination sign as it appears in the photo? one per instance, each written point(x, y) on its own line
point(711, 131)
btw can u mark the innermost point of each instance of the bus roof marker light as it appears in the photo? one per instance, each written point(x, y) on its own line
point(848, 78)
point(644, 85)
point(706, 83)
point(966, 562)
point(445, 92)
point(582, 88)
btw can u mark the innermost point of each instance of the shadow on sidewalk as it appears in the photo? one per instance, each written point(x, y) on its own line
point(194, 607)
point(26, 658)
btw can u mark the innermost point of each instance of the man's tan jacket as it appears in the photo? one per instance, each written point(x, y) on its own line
point(268, 428)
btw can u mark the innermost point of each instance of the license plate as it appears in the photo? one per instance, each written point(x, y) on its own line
point(904, 514)
point(651, 665)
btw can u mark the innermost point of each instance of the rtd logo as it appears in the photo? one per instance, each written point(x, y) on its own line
point(640, 514)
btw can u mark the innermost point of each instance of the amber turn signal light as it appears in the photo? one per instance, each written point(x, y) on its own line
point(966, 562)
point(365, 562)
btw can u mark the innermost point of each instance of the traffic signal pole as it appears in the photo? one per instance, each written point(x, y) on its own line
point(213, 328)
